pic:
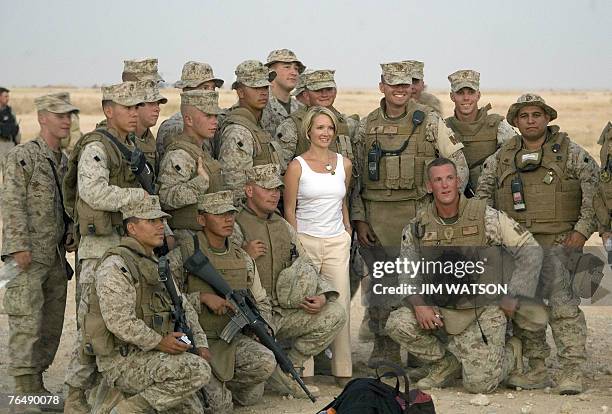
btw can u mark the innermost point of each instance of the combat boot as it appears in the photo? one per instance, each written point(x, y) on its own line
point(570, 382)
point(385, 349)
point(75, 401)
point(133, 405)
point(284, 384)
point(535, 378)
point(442, 373)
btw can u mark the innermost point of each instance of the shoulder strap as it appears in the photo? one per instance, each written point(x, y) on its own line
point(127, 154)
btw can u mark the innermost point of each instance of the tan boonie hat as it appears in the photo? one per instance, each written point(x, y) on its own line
point(464, 79)
point(320, 79)
point(300, 87)
point(217, 203)
point(150, 92)
point(205, 101)
point(148, 208)
point(416, 68)
point(125, 93)
point(195, 73)
point(57, 103)
point(254, 74)
point(396, 73)
point(141, 70)
point(529, 99)
point(284, 55)
point(266, 176)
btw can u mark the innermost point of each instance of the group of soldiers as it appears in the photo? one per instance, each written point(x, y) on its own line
point(211, 182)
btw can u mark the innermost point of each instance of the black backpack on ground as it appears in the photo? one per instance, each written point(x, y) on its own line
point(372, 396)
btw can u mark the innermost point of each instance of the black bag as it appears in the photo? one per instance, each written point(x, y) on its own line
point(372, 396)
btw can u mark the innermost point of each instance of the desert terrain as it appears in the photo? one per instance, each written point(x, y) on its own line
point(582, 114)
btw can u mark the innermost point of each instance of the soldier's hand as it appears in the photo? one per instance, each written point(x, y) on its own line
point(201, 171)
point(204, 353)
point(170, 344)
point(365, 235)
point(255, 248)
point(23, 259)
point(428, 317)
point(216, 303)
point(574, 239)
point(509, 305)
point(313, 304)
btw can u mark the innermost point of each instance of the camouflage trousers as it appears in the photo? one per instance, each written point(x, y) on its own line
point(165, 381)
point(484, 366)
point(254, 363)
point(308, 333)
point(35, 301)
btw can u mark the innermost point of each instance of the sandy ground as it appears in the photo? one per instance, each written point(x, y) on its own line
point(582, 114)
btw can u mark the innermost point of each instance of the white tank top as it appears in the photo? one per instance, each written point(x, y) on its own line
point(319, 201)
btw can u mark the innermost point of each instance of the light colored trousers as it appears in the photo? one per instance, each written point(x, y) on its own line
point(331, 258)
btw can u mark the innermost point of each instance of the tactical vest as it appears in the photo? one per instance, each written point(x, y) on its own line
point(341, 145)
point(266, 150)
point(148, 146)
point(479, 137)
point(90, 221)
point(186, 217)
point(153, 303)
point(401, 177)
point(231, 265)
point(603, 201)
point(552, 198)
point(275, 235)
point(467, 237)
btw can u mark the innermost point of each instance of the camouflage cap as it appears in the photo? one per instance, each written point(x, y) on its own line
point(284, 55)
point(141, 70)
point(254, 74)
point(205, 101)
point(529, 99)
point(58, 103)
point(266, 176)
point(148, 208)
point(217, 203)
point(195, 73)
point(416, 68)
point(150, 91)
point(396, 73)
point(464, 79)
point(320, 79)
point(300, 87)
point(125, 93)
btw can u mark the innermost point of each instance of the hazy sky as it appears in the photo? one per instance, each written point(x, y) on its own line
point(524, 44)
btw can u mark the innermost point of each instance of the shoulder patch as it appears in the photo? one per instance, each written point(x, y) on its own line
point(240, 144)
point(124, 270)
point(177, 167)
point(22, 162)
point(452, 139)
point(96, 158)
point(520, 230)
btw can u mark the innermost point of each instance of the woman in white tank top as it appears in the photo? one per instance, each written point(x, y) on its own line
point(315, 204)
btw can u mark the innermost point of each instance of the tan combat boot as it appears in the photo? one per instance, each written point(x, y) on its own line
point(570, 382)
point(385, 349)
point(75, 401)
point(442, 373)
point(133, 405)
point(284, 384)
point(535, 378)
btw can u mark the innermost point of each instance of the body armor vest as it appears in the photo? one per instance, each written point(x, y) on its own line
point(148, 146)
point(231, 265)
point(552, 198)
point(89, 220)
point(401, 177)
point(479, 137)
point(275, 235)
point(186, 217)
point(153, 303)
point(266, 150)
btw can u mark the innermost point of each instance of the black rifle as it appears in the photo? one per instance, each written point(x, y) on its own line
point(178, 313)
point(245, 314)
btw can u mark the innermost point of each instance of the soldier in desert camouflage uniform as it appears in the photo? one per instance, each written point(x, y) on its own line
point(454, 221)
point(602, 201)
point(243, 365)
point(188, 171)
point(101, 183)
point(194, 76)
point(244, 141)
point(481, 133)
point(136, 348)
point(300, 92)
point(314, 318)
point(280, 103)
point(418, 87)
point(557, 180)
point(33, 236)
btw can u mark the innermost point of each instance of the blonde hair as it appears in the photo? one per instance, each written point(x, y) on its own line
point(312, 114)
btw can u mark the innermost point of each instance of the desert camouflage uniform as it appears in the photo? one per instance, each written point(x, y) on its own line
point(431, 101)
point(172, 127)
point(32, 216)
point(602, 201)
point(68, 143)
point(275, 112)
point(484, 365)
